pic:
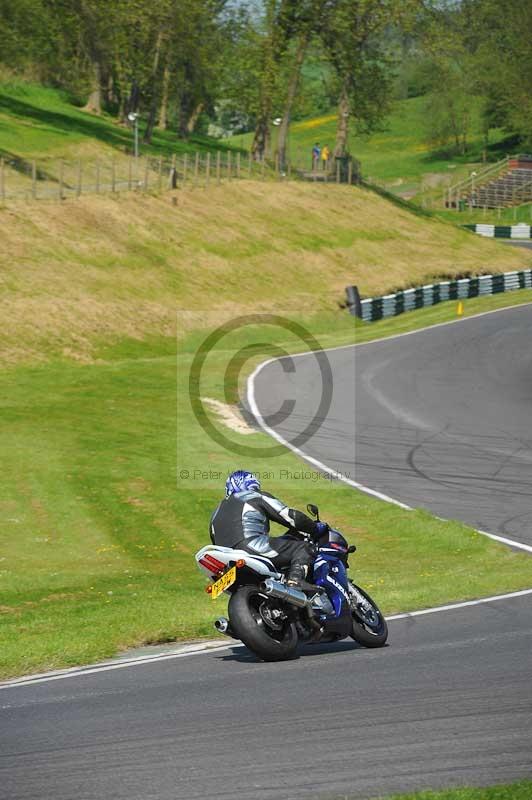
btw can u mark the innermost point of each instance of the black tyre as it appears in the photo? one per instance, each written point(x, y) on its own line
point(248, 613)
point(369, 626)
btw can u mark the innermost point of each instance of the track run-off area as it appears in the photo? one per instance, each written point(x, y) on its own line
point(438, 418)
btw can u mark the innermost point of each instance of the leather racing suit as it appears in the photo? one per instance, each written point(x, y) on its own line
point(242, 521)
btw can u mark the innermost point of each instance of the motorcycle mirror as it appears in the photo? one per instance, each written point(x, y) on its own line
point(312, 509)
point(351, 548)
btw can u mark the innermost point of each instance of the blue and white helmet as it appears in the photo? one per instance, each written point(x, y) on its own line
point(241, 481)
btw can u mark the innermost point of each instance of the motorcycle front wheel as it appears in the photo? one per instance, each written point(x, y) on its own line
point(251, 620)
point(369, 626)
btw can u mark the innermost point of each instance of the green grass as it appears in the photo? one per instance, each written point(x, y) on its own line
point(398, 156)
point(36, 122)
point(98, 527)
point(507, 216)
point(522, 790)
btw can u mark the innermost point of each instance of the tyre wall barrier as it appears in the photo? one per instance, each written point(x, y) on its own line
point(521, 231)
point(390, 305)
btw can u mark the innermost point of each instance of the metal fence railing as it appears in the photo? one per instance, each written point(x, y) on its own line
point(59, 178)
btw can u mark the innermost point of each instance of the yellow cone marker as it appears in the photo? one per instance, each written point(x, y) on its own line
point(460, 309)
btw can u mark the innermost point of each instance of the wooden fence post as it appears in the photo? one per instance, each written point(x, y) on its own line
point(60, 182)
point(160, 173)
point(276, 164)
point(113, 176)
point(337, 172)
point(2, 180)
point(218, 157)
point(208, 170)
point(350, 172)
point(79, 180)
point(146, 173)
point(238, 164)
point(97, 176)
point(173, 174)
point(262, 165)
point(229, 164)
point(129, 173)
point(185, 168)
point(250, 165)
point(196, 168)
point(33, 179)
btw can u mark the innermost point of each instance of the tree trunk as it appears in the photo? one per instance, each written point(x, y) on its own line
point(133, 99)
point(163, 111)
point(148, 133)
point(342, 130)
point(193, 119)
point(290, 97)
point(261, 139)
point(120, 87)
point(94, 103)
point(150, 125)
point(270, 55)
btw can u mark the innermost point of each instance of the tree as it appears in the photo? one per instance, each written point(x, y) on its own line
point(502, 46)
point(302, 20)
point(352, 35)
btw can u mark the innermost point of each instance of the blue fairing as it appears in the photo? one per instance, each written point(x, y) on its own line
point(330, 572)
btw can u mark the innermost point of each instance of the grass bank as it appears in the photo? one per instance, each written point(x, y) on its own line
point(108, 488)
point(108, 483)
point(38, 122)
point(398, 156)
point(77, 274)
point(492, 216)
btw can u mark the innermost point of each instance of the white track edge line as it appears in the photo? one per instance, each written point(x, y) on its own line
point(338, 475)
point(79, 672)
point(464, 604)
point(407, 333)
point(106, 666)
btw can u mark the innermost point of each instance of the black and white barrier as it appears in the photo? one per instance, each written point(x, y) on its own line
point(521, 231)
point(391, 305)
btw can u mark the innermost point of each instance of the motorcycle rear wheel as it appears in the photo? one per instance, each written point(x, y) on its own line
point(250, 626)
point(369, 625)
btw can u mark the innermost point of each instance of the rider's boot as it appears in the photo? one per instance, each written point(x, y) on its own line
point(296, 574)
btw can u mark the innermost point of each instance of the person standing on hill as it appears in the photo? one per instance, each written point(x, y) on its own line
point(316, 152)
point(325, 155)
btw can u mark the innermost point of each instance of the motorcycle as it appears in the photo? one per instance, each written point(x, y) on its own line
point(272, 618)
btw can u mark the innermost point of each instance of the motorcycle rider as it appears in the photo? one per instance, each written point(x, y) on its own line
point(242, 521)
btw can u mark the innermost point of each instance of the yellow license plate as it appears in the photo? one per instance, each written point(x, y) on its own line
point(223, 583)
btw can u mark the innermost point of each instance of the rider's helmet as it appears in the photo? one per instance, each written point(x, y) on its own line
point(241, 481)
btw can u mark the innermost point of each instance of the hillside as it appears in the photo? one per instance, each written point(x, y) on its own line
point(398, 156)
point(76, 274)
point(39, 122)
point(101, 507)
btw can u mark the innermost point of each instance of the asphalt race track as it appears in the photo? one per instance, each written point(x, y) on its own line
point(439, 419)
point(447, 703)
point(517, 243)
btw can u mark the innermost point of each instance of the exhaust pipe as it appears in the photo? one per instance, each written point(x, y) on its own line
point(282, 592)
point(222, 626)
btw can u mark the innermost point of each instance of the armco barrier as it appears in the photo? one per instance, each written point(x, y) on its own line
point(391, 305)
point(521, 231)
